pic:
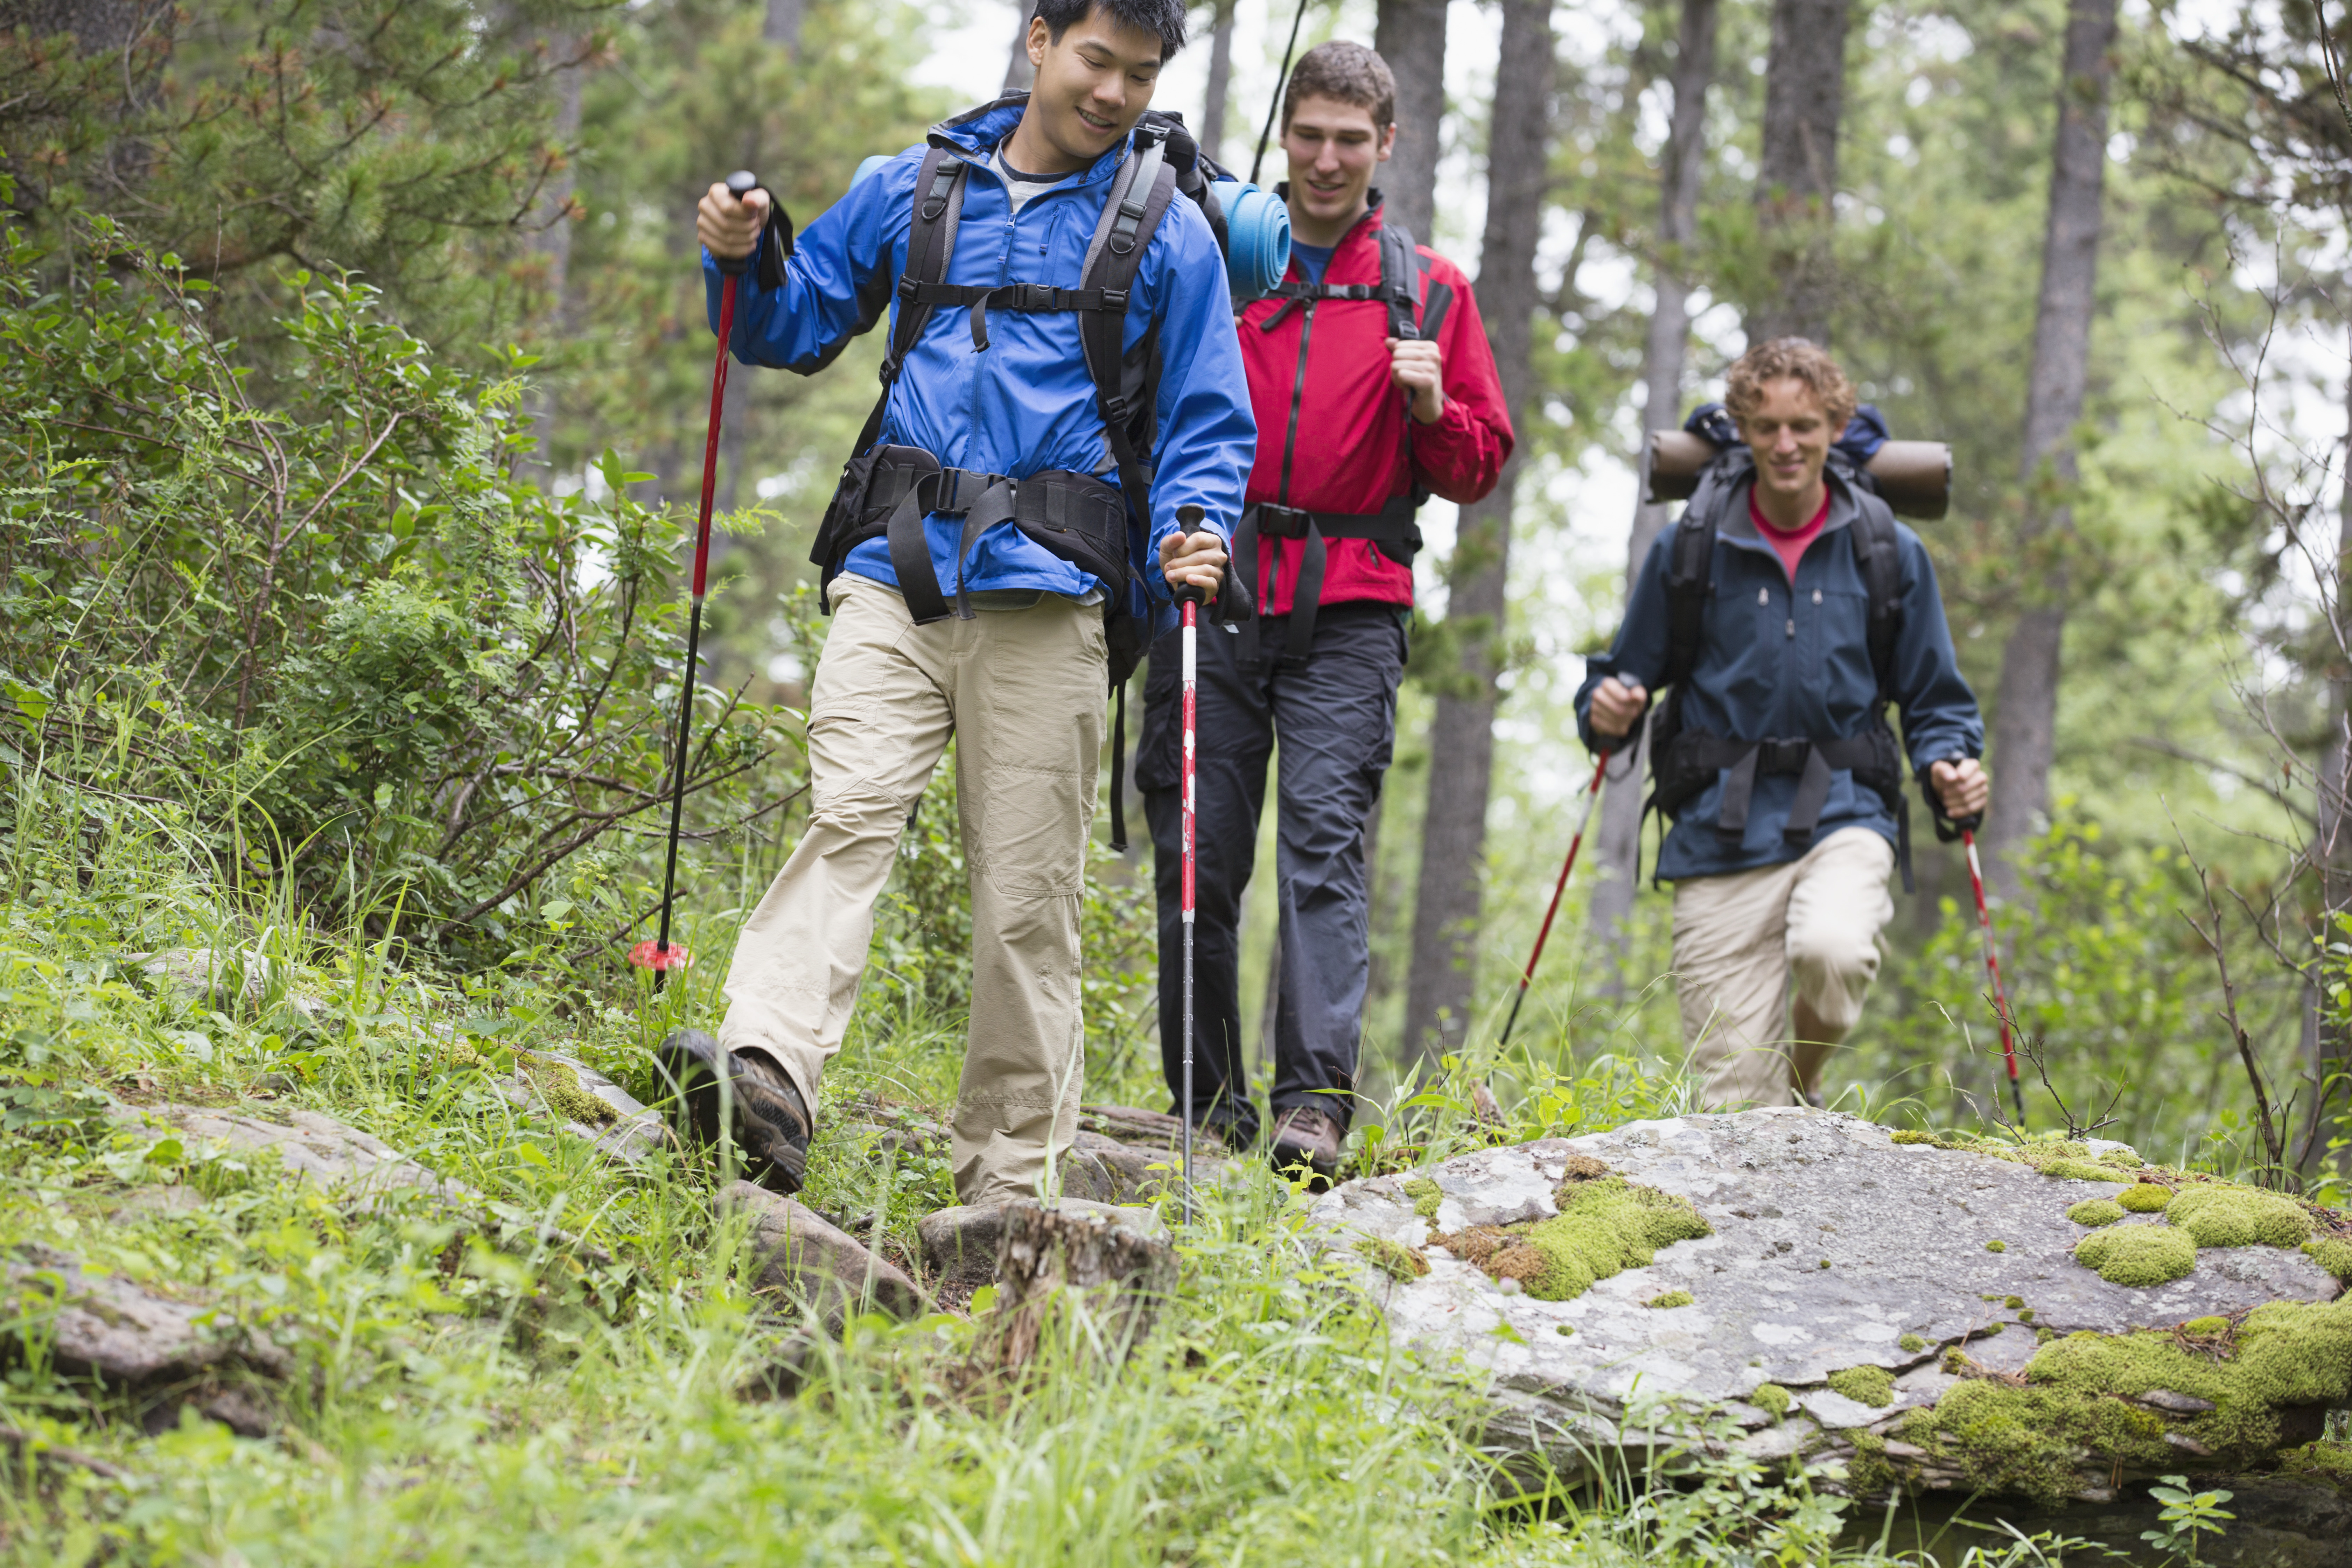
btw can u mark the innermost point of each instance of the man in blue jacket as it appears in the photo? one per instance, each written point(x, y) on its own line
point(1772, 755)
point(990, 438)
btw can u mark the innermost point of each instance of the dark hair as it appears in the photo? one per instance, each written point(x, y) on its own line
point(1165, 17)
point(1348, 72)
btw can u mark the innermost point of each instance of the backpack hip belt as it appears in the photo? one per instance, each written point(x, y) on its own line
point(1079, 518)
point(1689, 760)
point(1392, 529)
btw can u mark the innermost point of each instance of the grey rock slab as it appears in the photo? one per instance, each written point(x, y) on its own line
point(93, 1322)
point(221, 977)
point(636, 1132)
point(308, 1144)
point(803, 1256)
point(1902, 1228)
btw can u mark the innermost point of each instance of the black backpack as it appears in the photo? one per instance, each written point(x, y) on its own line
point(1684, 762)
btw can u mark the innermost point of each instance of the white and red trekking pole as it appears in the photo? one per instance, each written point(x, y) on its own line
point(1528, 975)
point(1190, 597)
point(658, 954)
point(1992, 967)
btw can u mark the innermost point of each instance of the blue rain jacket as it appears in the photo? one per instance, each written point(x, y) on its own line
point(1025, 403)
point(1774, 662)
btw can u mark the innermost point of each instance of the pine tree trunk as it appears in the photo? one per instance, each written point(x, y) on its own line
point(553, 241)
point(2025, 711)
point(1018, 72)
point(1462, 732)
point(1409, 35)
point(1211, 131)
point(1796, 185)
point(1682, 170)
point(782, 26)
point(2328, 1049)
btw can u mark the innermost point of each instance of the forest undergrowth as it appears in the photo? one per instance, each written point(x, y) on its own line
point(578, 1379)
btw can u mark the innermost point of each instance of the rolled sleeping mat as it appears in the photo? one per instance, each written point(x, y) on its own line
point(1914, 476)
point(866, 165)
point(1257, 237)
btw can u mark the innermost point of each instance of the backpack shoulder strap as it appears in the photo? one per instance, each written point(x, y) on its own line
point(1690, 574)
point(930, 245)
point(1401, 279)
point(1138, 199)
point(1878, 553)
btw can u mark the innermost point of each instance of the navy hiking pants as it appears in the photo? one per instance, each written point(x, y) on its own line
point(1336, 717)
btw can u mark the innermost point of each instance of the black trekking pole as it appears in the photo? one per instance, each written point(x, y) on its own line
point(1528, 975)
point(658, 954)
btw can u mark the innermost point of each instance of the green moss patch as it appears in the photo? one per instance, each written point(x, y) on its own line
point(1772, 1399)
point(560, 1086)
point(1393, 1259)
point(2095, 1212)
point(2144, 1197)
point(1606, 1224)
point(1911, 1343)
point(1996, 1247)
point(1426, 1195)
point(2220, 1216)
point(1870, 1385)
point(1670, 1299)
point(2333, 1254)
point(2327, 1463)
point(2137, 1254)
point(2077, 1410)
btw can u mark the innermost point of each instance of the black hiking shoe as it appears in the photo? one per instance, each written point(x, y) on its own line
point(1306, 1136)
point(768, 1121)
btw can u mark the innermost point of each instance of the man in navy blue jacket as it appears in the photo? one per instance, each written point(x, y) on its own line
point(1781, 779)
point(995, 391)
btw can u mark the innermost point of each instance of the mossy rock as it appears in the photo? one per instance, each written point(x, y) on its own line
point(2095, 1212)
point(2333, 1254)
point(1670, 1299)
point(1397, 1262)
point(1911, 1344)
point(1605, 1226)
point(1426, 1195)
point(2327, 1463)
point(560, 1086)
point(2144, 1197)
point(1870, 1385)
point(2078, 1410)
point(1772, 1399)
point(2219, 1215)
point(2138, 1255)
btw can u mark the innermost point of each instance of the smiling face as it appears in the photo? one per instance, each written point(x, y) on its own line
point(1789, 431)
point(1093, 82)
point(1334, 148)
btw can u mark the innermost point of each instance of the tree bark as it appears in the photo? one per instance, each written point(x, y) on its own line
point(782, 26)
point(553, 239)
point(1211, 131)
point(1462, 732)
point(1796, 185)
point(1018, 72)
point(1682, 171)
point(2328, 1050)
point(1409, 35)
point(2025, 710)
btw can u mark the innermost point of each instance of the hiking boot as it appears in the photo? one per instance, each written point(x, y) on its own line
point(768, 1121)
point(1306, 1136)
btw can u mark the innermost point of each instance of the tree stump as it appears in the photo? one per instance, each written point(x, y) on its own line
point(1114, 1280)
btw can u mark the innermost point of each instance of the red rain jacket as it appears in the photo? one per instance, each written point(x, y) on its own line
point(1332, 425)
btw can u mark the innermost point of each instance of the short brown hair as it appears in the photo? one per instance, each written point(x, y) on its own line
point(1348, 72)
point(1780, 359)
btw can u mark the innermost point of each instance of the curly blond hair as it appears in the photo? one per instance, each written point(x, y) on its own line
point(1777, 361)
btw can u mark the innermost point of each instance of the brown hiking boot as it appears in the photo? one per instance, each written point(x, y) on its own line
point(765, 1116)
point(1306, 1136)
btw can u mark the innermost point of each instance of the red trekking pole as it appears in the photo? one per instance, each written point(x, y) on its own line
point(1190, 597)
point(1992, 967)
point(658, 956)
point(1527, 976)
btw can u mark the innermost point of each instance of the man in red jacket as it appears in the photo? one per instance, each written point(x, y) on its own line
point(1373, 387)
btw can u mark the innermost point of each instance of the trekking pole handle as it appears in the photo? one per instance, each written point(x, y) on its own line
point(740, 183)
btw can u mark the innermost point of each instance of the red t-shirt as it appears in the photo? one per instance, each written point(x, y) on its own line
point(1789, 544)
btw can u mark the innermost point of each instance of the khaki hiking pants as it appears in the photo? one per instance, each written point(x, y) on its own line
point(1023, 690)
point(1740, 938)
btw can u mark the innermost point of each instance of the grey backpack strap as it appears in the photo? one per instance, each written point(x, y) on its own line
point(1401, 279)
point(1130, 217)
